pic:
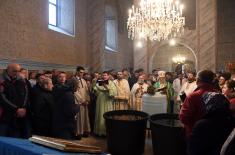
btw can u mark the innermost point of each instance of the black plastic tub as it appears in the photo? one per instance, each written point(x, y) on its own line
point(126, 132)
point(167, 135)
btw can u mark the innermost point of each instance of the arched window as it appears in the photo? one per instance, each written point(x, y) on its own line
point(111, 32)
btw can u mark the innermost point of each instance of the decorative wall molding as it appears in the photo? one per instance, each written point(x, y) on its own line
point(34, 65)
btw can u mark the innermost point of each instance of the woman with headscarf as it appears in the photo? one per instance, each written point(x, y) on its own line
point(212, 130)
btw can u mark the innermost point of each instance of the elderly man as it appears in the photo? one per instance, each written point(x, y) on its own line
point(14, 103)
point(137, 92)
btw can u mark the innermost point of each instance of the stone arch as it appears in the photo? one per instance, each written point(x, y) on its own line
point(179, 41)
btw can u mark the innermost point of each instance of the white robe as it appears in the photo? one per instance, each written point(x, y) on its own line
point(123, 93)
point(82, 96)
point(188, 88)
point(177, 87)
point(136, 95)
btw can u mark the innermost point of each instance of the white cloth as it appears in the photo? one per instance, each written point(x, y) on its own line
point(154, 104)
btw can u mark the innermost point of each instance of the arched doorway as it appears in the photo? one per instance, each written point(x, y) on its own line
point(163, 56)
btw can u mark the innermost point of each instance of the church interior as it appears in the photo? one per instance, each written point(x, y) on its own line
point(150, 38)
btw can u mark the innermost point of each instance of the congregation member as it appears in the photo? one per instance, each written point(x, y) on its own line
point(39, 78)
point(211, 131)
point(123, 89)
point(126, 74)
point(151, 79)
point(133, 79)
point(48, 74)
point(14, 104)
point(32, 78)
point(170, 92)
point(64, 124)
point(55, 74)
point(42, 108)
point(105, 91)
point(229, 91)
point(155, 75)
point(24, 75)
point(60, 86)
point(83, 99)
point(233, 77)
point(137, 92)
point(96, 76)
point(92, 105)
point(223, 78)
point(61, 78)
point(192, 108)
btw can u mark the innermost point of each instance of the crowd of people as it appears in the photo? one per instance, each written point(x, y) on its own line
point(51, 104)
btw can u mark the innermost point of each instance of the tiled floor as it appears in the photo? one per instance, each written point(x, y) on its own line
point(101, 142)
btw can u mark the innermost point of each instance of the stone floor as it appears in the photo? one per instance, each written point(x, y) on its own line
point(101, 142)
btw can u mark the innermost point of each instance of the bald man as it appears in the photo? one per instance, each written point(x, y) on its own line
point(14, 102)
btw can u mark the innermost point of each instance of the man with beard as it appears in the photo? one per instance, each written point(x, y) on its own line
point(177, 85)
point(123, 90)
point(105, 91)
point(187, 88)
point(137, 92)
point(190, 85)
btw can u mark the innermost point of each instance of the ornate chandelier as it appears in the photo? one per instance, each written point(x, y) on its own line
point(156, 19)
point(179, 59)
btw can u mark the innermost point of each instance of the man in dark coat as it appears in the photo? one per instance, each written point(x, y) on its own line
point(191, 110)
point(65, 110)
point(42, 108)
point(14, 102)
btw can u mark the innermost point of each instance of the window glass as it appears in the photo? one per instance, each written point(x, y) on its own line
point(52, 14)
point(52, 1)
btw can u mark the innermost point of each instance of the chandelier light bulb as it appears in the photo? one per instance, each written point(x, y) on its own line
point(141, 35)
point(139, 44)
point(181, 6)
point(172, 42)
point(179, 59)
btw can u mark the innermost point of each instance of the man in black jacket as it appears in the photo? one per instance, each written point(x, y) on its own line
point(42, 108)
point(14, 102)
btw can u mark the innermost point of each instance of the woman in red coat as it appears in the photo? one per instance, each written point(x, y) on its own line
point(229, 91)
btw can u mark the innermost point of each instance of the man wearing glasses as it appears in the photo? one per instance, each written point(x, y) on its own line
point(13, 102)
